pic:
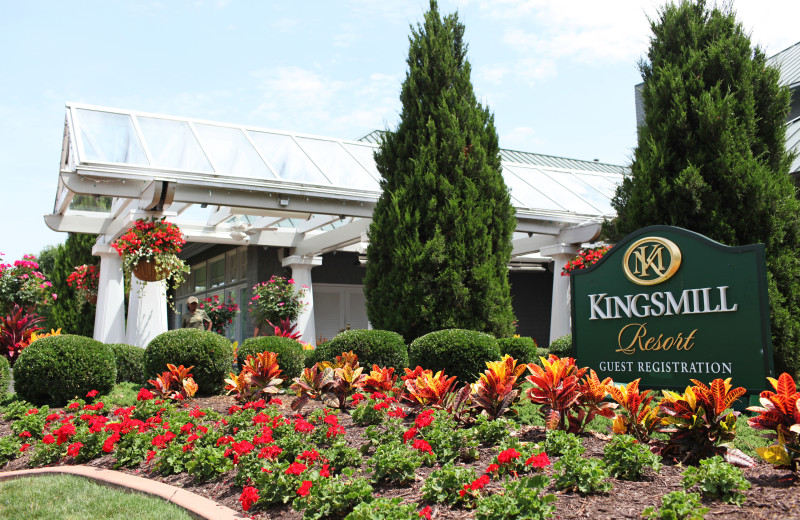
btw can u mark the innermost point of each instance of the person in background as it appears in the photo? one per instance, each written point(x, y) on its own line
point(195, 318)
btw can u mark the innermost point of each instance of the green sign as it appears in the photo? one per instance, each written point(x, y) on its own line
point(668, 305)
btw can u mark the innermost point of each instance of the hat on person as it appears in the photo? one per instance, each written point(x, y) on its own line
point(191, 300)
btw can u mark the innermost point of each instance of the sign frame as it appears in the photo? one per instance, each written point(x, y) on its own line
point(587, 336)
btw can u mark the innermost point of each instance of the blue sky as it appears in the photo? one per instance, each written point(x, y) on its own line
point(557, 75)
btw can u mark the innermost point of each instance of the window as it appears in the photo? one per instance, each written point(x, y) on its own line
point(217, 268)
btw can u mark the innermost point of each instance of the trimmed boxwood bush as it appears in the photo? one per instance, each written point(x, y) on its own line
point(459, 352)
point(5, 376)
point(55, 369)
point(130, 363)
point(562, 346)
point(291, 357)
point(522, 349)
point(379, 347)
point(209, 353)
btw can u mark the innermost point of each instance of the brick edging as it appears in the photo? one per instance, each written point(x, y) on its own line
point(196, 505)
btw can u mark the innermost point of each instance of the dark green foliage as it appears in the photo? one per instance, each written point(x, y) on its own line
point(712, 144)
point(380, 347)
point(291, 357)
point(460, 353)
point(55, 369)
point(440, 239)
point(561, 346)
point(209, 353)
point(130, 363)
point(69, 311)
point(5, 376)
point(522, 349)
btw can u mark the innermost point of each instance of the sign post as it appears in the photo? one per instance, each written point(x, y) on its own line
point(667, 305)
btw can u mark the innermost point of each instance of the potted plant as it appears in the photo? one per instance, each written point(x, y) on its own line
point(276, 300)
point(149, 249)
point(221, 314)
point(85, 279)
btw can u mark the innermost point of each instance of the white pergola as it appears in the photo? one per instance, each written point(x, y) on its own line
point(234, 184)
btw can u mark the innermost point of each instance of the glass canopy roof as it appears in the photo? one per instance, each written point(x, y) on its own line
point(166, 143)
point(220, 180)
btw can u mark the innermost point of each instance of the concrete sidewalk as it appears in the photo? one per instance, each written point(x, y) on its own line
point(197, 506)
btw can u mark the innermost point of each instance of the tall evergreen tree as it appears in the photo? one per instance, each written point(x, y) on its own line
point(440, 240)
point(711, 153)
point(68, 312)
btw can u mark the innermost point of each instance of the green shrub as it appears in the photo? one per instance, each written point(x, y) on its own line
point(291, 357)
point(626, 458)
point(5, 376)
point(459, 352)
point(209, 353)
point(562, 346)
point(55, 369)
point(522, 349)
point(379, 347)
point(130, 363)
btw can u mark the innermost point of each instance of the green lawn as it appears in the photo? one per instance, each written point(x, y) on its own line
point(67, 497)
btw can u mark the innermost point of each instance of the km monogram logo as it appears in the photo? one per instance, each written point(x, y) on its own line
point(651, 260)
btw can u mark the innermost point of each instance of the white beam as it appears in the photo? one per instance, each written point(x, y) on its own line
point(222, 214)
point(316, 223)
point(571, 235)
point(331, 240)
point(265, 222)
point(76, 223)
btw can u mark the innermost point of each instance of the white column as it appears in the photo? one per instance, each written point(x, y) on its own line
point(301, 273)
point(147, 311)
point(109, 318)
point(560, 309)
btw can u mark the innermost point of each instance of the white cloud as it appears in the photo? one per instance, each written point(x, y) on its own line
point(520, 138)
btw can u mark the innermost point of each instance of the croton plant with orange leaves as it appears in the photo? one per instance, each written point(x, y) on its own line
point(780, 413)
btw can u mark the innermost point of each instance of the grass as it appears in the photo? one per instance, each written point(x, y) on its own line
point(121, 396)
point(67, 497)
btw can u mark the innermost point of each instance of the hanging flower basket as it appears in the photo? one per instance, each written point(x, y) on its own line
point(149, 249)
point(91, 298)
point(145, 270)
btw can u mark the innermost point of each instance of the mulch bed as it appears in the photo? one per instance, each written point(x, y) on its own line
point(773, 495)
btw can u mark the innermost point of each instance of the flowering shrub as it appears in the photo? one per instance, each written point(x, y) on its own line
point(275, 300)
point(221, 314)
point(85, 280)
point(586, 257)
point(155, 240)
point(21, 283)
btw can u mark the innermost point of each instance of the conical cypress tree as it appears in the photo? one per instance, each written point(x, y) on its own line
point(440, 240)
point(711, 154)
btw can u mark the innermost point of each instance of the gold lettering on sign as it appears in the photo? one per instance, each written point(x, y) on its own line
point(634, 336)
